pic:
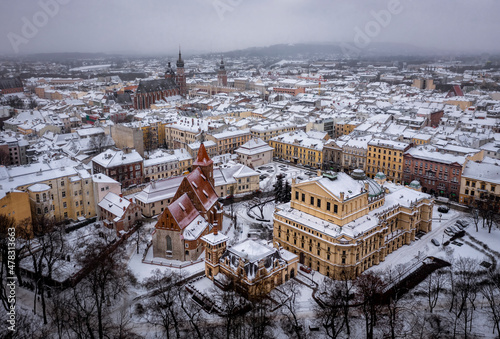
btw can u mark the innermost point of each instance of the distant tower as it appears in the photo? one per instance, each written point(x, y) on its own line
point(222, 74)
point(181, 76)
point(206, 164)
point(169, 73)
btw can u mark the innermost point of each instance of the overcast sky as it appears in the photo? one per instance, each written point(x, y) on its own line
point(159, 26)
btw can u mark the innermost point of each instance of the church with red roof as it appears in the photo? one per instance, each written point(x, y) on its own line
point(194, 212)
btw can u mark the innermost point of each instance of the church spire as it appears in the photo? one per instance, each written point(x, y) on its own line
point(180, 62)
point(204, 162)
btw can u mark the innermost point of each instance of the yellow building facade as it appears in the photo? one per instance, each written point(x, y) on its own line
point(298, 148)
point(340, 225)
point(62, 194)
point(386, 156)
point(480, 184)
point(16, 205)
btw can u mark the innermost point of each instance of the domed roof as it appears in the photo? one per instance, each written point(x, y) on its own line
point(415, 184)
point(374, 189)
point(358, 174)
point(380, 175)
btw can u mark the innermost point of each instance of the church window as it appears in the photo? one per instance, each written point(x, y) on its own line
point(169, 244)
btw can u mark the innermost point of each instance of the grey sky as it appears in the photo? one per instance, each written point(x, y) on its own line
point(159, 26)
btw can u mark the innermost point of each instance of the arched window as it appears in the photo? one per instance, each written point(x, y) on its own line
point(169, 244)
point(46, 210)
point(44, 197)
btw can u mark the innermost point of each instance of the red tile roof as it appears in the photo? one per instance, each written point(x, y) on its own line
point(183, 211)
point(203, 159)
point(202, 188)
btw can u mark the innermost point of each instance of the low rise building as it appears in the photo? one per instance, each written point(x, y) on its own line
point(299, 148)
point(254, 268)
point(118, 213)
point(266, 131)
point(480, 183)
point(229, 141)
point(255, 153)
point(124, 167)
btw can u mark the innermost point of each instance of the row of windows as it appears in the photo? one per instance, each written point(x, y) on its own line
point(482, 185)
point(318, 202)
point(379, 151)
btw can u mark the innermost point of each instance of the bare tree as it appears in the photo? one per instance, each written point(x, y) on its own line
point(93, 296)
point(369, 290)
point(258, 321)
point(258, 203)
point(395, 305)
point(331, 311)
point(465, 290)
point(191, 312)
point(161, 306)
point(287, 297)
point(4, 158)
point(100, 142)
point(475, 218)
point(44, 249)
point(435, 286)
point(490, 289)
point(231, 309)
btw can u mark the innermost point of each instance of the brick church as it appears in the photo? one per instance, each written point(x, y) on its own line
point(149, 91)
point(194, 212)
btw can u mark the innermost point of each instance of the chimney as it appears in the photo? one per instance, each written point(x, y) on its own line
point(121, 195)
point(319, 173)
point(341, 196)
point(124, 209)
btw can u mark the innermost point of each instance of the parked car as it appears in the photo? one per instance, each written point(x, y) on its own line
point(462, 222)
point(449, 231)
point(435, 242)
point(305, 269)
point(443, 209)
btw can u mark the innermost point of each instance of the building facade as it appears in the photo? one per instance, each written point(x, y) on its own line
point(229, 141)
point(480, 184)
point(255, 153)
point(194, 212)
point(150, 91)
point(386, 156)
point(439, 174)
point(340, 226)
point(253, 268)
point(298, 148)
point(124, 167)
